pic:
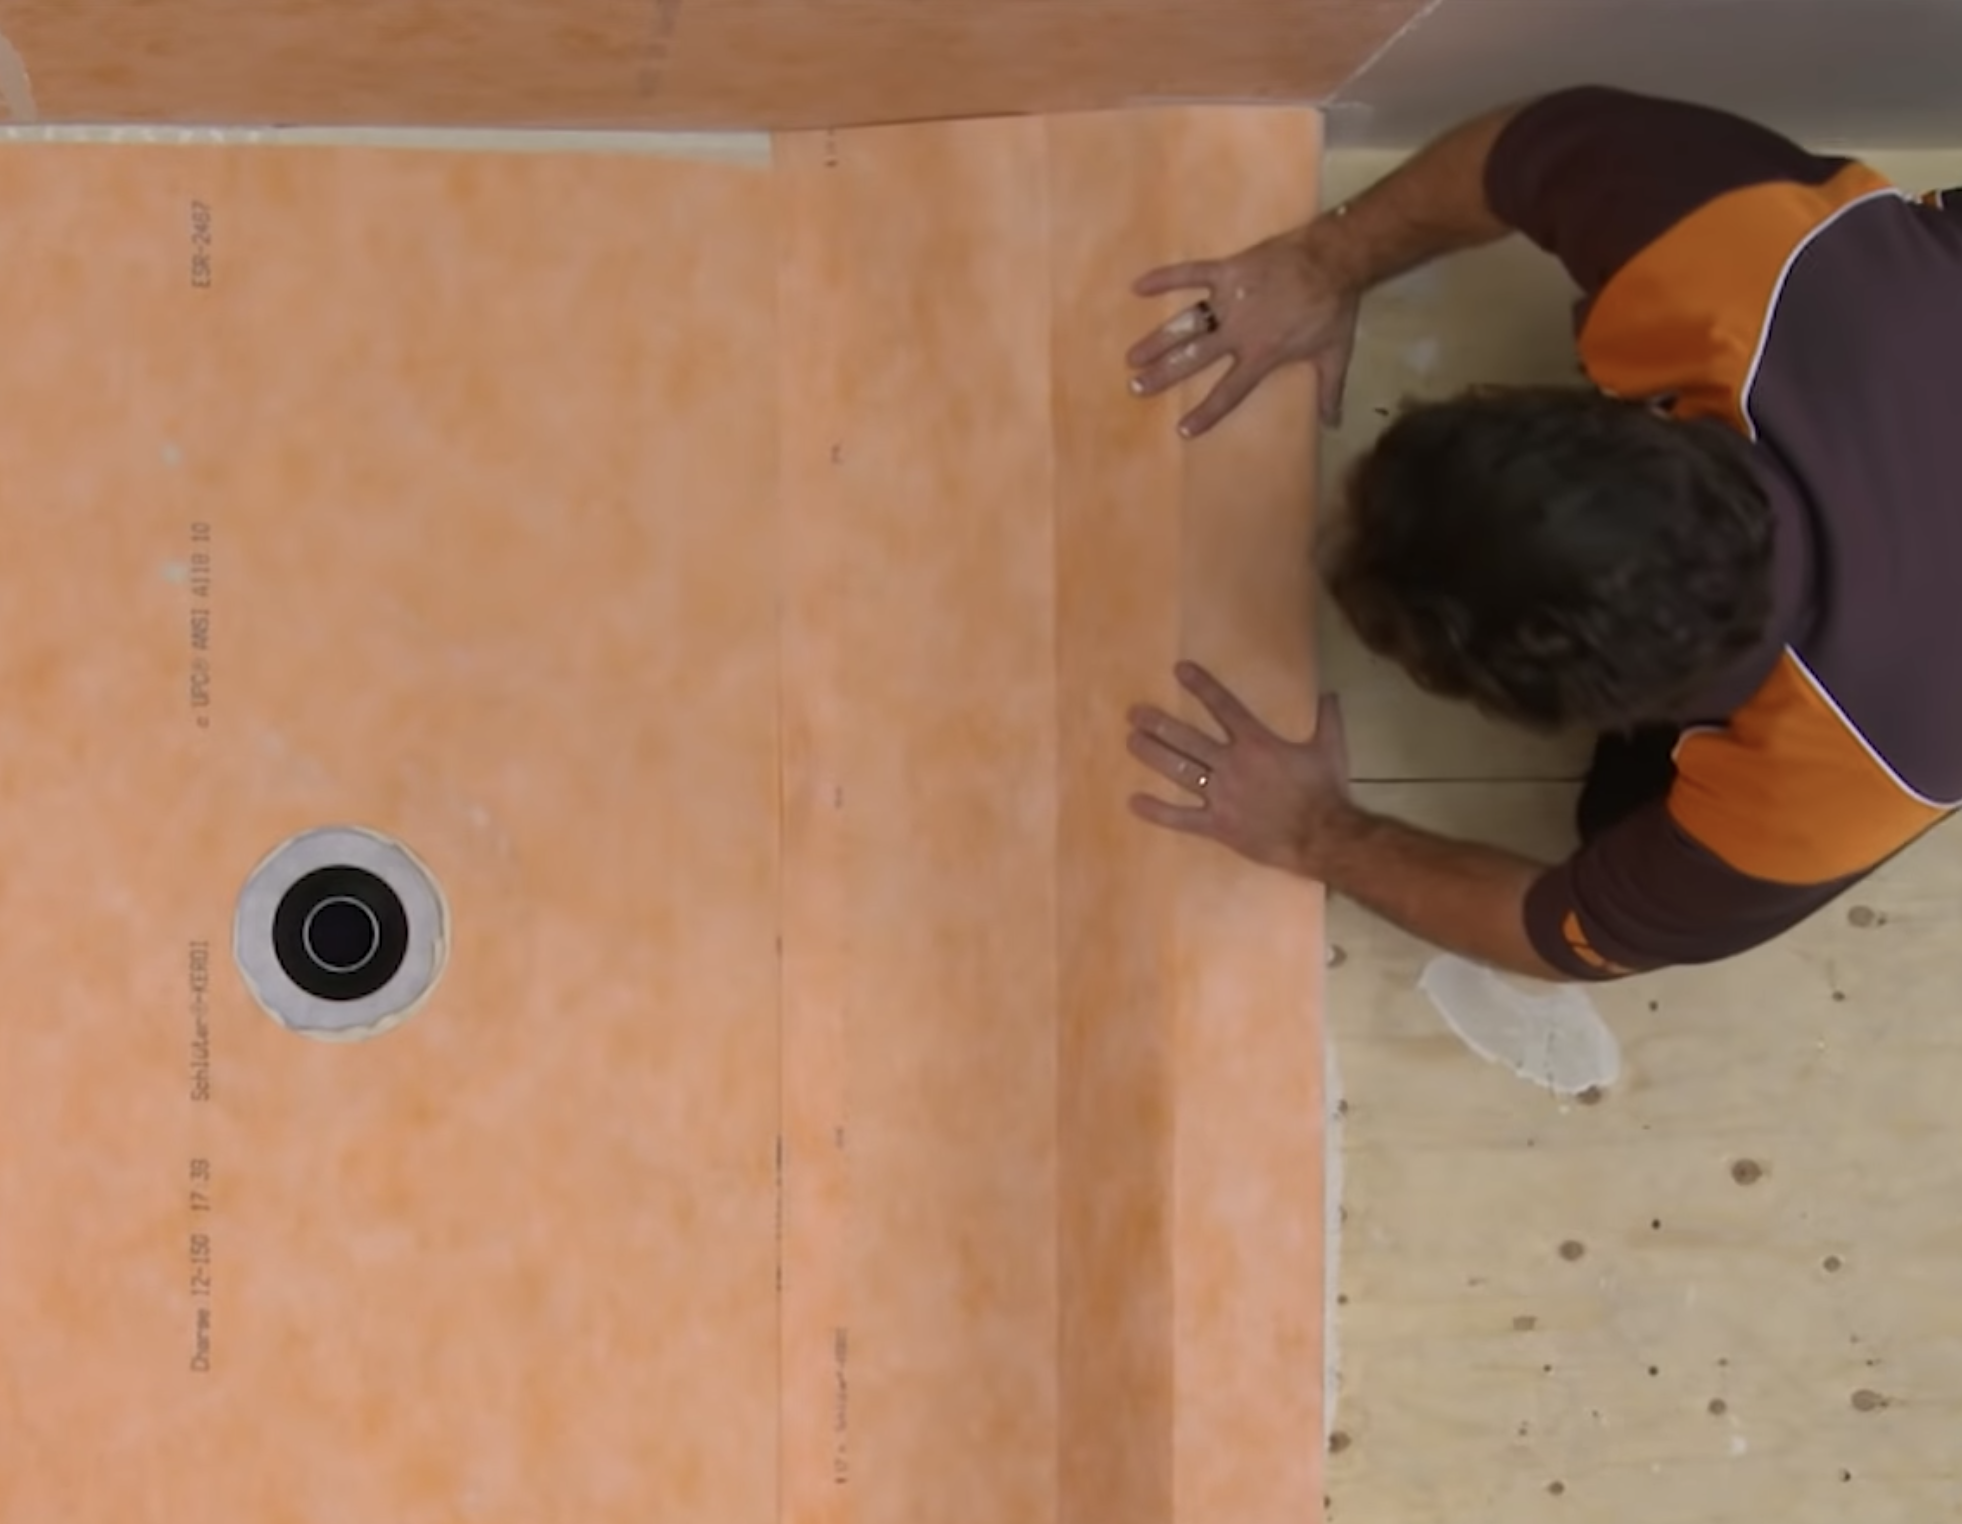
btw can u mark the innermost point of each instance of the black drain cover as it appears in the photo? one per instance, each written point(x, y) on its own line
point(340, 933)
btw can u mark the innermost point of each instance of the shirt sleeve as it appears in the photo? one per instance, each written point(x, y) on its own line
point(1594, 175)
point(1644, 895)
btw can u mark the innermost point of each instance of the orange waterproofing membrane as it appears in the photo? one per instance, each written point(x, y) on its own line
point(729, 580)
point(678, 63)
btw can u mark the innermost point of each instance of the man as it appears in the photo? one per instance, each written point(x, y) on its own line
point(1738, 558)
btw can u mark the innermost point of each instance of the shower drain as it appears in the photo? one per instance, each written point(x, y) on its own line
point(340, 934)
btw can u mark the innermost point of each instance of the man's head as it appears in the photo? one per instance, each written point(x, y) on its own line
point(1556, 557)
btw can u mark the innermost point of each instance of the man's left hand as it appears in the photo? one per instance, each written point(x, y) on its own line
point(1271, 800)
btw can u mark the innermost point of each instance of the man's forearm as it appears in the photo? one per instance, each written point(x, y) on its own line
point(1457, 895)
point(1433, 205)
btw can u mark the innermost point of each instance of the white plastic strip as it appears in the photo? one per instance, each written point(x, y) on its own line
point(752, 148)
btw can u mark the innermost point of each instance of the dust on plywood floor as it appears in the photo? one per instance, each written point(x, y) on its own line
point(1721, 1288)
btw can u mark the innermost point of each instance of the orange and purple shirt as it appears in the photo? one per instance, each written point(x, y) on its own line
point(1816, 309)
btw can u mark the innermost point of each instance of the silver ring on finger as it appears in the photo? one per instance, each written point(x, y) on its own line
point(1201, 779)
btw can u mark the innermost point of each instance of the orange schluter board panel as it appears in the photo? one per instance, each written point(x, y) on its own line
point(727, 582)
point(696, 63)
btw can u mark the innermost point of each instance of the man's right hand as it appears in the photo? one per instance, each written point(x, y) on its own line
point(1271, 305)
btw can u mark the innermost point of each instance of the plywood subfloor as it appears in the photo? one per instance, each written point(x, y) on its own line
point(1725, 1290)
point(1842, 71)
point(729, 578)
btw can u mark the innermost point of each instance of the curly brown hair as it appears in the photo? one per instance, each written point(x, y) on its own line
point(1557, 557)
